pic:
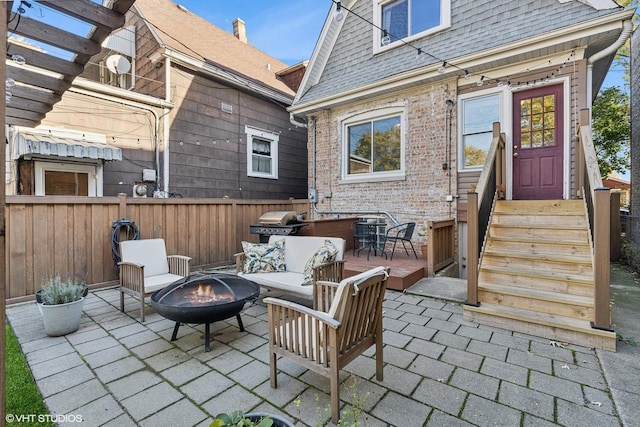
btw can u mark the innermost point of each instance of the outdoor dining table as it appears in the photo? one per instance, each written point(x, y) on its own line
point(370, 239)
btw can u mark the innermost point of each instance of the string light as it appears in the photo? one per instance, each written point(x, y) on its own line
point(338, 16)
point(420, 53)
point(19, 59)
point(386, 39)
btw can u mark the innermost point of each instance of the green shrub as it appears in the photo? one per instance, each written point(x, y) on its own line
point(56, 291)
point(238, 419)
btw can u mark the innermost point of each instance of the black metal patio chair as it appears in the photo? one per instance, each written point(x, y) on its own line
point(401, 233)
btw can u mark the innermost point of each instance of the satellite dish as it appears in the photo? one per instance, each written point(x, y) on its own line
point(118, 64)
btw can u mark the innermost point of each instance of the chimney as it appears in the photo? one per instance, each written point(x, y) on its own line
point(239, 30)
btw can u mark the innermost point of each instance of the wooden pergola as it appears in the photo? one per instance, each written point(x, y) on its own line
point(39, 81)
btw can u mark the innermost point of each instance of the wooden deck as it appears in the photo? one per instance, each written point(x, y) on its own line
point(405, 270)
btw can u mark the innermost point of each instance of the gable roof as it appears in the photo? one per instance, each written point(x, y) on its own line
point(179, 30)
point(484, 34)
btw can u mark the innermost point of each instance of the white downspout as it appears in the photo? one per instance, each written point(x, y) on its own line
point(627, 28)
point(166, 123)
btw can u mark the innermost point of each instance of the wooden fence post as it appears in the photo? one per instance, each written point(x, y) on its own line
point(122, 206)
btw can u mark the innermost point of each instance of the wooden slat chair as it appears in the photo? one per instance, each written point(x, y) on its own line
point(145, 268)
point(326, 342)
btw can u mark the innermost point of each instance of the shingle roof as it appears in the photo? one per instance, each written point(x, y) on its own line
point(194, 36)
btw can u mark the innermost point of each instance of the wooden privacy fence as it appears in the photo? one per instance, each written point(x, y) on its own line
point(72, 236)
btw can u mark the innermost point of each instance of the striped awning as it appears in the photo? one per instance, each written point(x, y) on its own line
point(63, 144)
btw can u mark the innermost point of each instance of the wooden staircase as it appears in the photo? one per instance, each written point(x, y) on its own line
point(536, 273)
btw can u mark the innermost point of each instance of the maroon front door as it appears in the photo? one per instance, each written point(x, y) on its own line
point(537, 143)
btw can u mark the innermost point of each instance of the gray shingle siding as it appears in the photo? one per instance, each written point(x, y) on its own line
point(476, 25)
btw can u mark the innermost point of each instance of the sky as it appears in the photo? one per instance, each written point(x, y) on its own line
point(287, 30)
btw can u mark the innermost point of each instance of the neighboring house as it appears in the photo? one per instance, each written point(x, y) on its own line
point(192, 110)
point(401, 96)
point(613, 181)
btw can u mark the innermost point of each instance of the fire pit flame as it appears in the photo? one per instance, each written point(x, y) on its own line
point(205, 294)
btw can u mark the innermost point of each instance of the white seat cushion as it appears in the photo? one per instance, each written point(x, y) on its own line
point(154, 283)
point(148, 252)
point(289, 281)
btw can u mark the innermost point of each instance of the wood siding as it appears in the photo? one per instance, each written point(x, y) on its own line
point(72, 236)
point(209, 146)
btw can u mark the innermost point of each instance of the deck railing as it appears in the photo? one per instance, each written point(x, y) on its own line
point(598, 203)
point(441, 244)
point(480, 204)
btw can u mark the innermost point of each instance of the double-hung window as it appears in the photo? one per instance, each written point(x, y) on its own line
point(374, 145)
point(262, 153)
point(478, 115)
point(408, 19)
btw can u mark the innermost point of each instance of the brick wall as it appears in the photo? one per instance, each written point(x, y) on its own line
point(421, 196)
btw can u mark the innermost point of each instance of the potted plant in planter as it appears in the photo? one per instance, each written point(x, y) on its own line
point(60, 303)
point(238, 418)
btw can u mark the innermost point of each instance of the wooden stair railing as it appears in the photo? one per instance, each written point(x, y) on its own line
point(598, 204)
point(479, 204)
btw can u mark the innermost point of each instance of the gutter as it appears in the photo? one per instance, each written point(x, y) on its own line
point(627, 29)
point(296, 123)
point(230, 78)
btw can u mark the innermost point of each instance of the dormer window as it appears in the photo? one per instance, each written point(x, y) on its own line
point(408, 20)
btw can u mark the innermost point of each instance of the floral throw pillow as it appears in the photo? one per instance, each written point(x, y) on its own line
point(264, 258)
point(326, 253)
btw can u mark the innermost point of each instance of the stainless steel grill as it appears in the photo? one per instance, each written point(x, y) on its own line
point(277, 218)
point(282, 223)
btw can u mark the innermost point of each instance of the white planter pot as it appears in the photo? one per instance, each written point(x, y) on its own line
point(61, 319)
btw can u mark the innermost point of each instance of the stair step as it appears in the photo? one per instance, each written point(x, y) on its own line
point(554, 327)
point(542, 232)
point(540, 207)
point(537, 294)
point(508, 277)
point(539, 246)
point(574, 306)
point(526, 262)
point(544, 275)
point(546, 257)
point(535, 220)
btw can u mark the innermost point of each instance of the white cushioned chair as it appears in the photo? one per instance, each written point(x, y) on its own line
point(145, 268)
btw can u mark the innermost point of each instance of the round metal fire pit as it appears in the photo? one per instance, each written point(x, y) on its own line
point(204, 298)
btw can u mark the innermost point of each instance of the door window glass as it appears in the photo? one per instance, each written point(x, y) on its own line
point(537, 122)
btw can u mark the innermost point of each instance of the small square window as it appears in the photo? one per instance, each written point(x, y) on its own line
point(409, 19)
point(262, 153)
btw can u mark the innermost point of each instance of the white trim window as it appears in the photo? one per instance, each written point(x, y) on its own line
point(262, 153)
point(68, 179)
point(477, 117)
point(407, 20)
point(374, 145)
